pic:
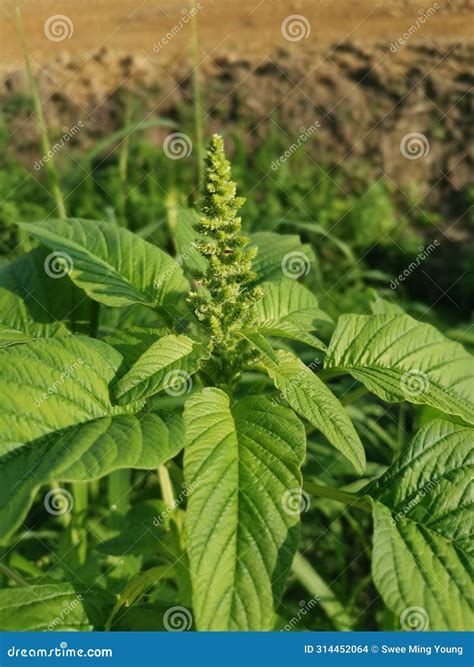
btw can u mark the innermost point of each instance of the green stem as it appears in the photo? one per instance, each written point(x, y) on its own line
point(337, 495)
point(197, 102)
point(166, 486)
point(40, 119)
point(11, 574)
point(316, 585)
point(119, 491)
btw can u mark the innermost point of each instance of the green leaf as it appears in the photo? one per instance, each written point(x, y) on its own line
point(185, 238)
point(422, 555)
point(34, 304)
point(53, 383)
point(112, 265)
point(399, 358)
point(310, 397)
point(81, 453)
point(279, 256)
point(167, 363)
point(48, 607)
point(289, 310)
point(241, 464)
point(132, 343)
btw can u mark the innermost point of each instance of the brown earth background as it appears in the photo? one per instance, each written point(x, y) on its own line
point(345, 73)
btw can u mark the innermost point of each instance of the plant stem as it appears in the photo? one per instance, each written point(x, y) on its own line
point(45, 144)
point(315, 585)
point(339, 496)
point(197, 102)
point(166, 486)
point(11, 574)
point(119, 491)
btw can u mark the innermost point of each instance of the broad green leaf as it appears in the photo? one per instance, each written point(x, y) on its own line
point(281, 256)
point(81, 453)
point(35, 304)
point(169, 361)
point(310, 397)
point(242, 471)
point(289, 310)
point(111, 264)
point(132, 343)
point(185, 236)
point(422, 556)
point(399, 358)
point(52, 383)
point(53, 607)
